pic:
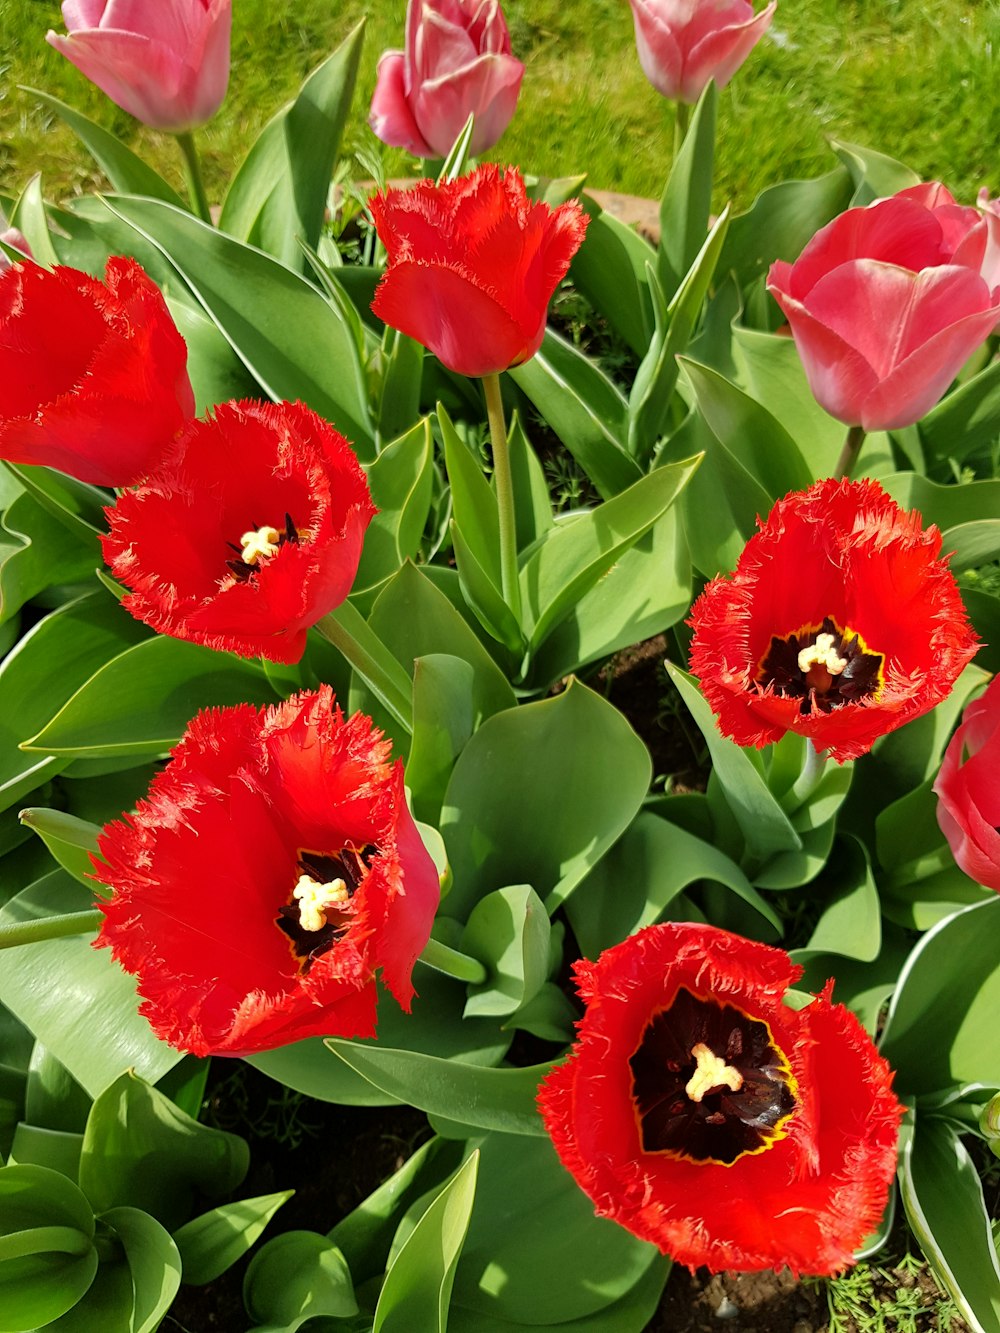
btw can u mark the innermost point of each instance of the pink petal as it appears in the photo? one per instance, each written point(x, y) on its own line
point(390, 117)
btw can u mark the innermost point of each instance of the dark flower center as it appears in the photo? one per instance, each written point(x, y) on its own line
point(318, 915)
point(824, 667)
point(258, 544)
point(708, 1082)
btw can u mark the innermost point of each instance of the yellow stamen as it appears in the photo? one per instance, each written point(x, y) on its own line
point(262, 542)
point(711, 1072)
point(314, 898)
point(822, 654)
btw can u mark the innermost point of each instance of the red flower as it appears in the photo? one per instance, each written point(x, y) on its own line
point(840, 623)
point(472, 266)
point(968, 790)
point(706, 1116)
point(93, 376)
point(272, 869)
point(248, 533)
point(887, 302)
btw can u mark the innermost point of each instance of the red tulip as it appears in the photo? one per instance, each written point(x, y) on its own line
point(706, 1116)
point(472, 266)
point(886, 303)
point(682, 44)
point(272, 870)
point(840, 623)
point(457, 61)
point(249, 532)
point(93, 376)
point(968, 790)
point(166, 63)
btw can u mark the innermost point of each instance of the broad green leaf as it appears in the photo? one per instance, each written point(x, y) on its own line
point(141, 701)
point(508, 931)
point(850, 923)
point(70, 840)
point(38, 550)
point(286, 333)
point(417, 1288)
point(965, 420)
point(40, 1286)
point(402, 364)
point(217, 373)
point(75, 998)
point(647, 869)
point(153, 1262)
point(483, 596)
point(532, 503)
point(211, 1243)
point(863, 986)
point(687, 196)
point(139, 1146)
point(280, 192)
point(576, 553)
point(610, 269)
point(584, 408)
point(29, 217)
point(52, 1098)
point(296, 1276)
point(474, 504)
point(559, 1261)
point(501, 1099)
point(875, 175)
point(941, 1028)
point(78, 506)
point(401, 480)
point(57, 1149)
point(567, 773)
point(943, 1198)
point(127, 173)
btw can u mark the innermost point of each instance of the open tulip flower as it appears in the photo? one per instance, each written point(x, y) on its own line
point(248, 533)
point(457, 62)
point(840, 623)
point(272, 870)
point(706, 1116)
point(886, 303)
point(93, 375)
point(968, 790)
point(472, 265)
point(682, 44)
point(166, 62)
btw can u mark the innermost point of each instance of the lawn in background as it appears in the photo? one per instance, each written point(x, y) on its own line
point(917, 79)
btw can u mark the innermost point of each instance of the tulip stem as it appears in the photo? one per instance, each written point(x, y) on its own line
point(681, 120)
point(192, 174)
point(509, 582)
point(849, 453)
point(348, 631)
point(452, 963)
point(49, 928)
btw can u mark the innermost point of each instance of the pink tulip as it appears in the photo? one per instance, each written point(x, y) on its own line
point(684, 43)
point(968, 790)
point(457, 60)
point(886, 303)
point(11, 236)
point(166, 62)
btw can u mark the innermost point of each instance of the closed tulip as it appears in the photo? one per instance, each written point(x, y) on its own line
point(457, 61)
point(682, 44)
point(166, 62)
point(887, 302)
point(968, 790)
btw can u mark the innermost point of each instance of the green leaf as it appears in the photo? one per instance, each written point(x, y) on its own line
point(474, 503)
point(941, 1028)
point(943, 1198)
point(286, 333)
point(508, 931)
point(965, 420)
point(647, 869)
point(875, 175)
point(483, 596)
point(850, 923)
point(75, 998)
point(141, 701)
point(78, 506)
point(417, 1289)
point(610, 269)
point(39, 1287)
point(567, 773)
point(501, 1099)
point(70, 840)
point(53, 1099)
point(57, 1149)
point(29, 217)
point(296, 1276)
point(211, 1243)
point(153, 1262)
point(582, 407)
point(127, 173)
point(401, 481)
point(139, 1146)
point(402, 364)
point(559, 1261)
point(217, 373)
point(532, 505)
point(576, 553)
point(279, 194)
point(37, 551)
point(687, 197)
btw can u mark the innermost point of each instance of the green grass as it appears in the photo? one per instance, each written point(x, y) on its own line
point(917, 79)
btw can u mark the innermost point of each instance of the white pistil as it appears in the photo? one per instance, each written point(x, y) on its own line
point(314, 898)
point(823, 654)
point(259, 543)
point(710, 1072)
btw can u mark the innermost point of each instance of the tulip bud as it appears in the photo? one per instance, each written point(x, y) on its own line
point(682, 44)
